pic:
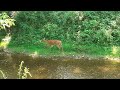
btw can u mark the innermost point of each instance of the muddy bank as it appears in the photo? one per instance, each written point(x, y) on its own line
point(57, 57)
point(53, 57)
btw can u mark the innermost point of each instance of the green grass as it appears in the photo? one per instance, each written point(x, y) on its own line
point(69, 49)
point(94, 49)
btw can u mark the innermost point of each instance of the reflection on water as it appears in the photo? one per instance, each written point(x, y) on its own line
point(59, 68)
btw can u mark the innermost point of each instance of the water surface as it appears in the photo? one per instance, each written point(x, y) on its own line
point(59, 67)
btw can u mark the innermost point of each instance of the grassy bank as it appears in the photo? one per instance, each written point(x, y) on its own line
point(100, 30)
point(69, 49)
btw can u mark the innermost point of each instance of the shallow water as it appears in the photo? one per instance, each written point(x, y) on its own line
point(59, 67)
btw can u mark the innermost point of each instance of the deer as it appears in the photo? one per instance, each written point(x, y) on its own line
point(51, 43)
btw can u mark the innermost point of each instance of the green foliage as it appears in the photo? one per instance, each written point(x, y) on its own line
point(6, 21)
point(23, 73)
point(79, 27)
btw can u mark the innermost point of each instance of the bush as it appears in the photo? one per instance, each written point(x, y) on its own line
point(98, 27)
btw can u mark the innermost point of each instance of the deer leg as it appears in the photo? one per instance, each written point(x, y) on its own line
point(59, 47)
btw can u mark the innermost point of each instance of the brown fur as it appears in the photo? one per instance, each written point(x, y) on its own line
point(52, 43)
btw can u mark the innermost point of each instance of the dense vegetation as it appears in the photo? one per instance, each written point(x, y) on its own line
point(6, 22)
point(79, 30)
point(98, 27)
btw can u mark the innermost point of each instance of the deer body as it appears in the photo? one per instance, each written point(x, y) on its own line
point(52, 43)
